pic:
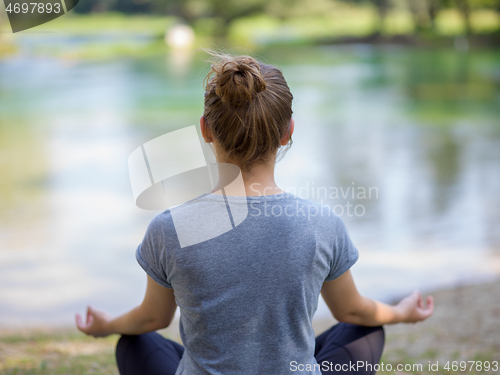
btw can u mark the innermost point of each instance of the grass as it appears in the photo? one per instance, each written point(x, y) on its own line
point(56, 352)
point(345, 20)
point(352, 21)
point(107, 35)
point(67, 351)
point(97, 23)
point(464, 327)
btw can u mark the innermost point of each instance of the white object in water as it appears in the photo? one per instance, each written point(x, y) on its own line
point(179, 36)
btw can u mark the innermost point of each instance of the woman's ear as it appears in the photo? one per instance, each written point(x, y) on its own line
point(205, 132)
point(288, 135)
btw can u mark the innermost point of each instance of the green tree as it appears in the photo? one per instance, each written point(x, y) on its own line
point(223, 11)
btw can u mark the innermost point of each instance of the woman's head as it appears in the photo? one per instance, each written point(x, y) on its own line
point(248, 109)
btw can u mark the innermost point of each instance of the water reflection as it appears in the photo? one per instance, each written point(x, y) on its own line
point(420, 127)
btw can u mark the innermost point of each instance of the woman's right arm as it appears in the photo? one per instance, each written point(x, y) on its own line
point(347, 305)
point(156, 312)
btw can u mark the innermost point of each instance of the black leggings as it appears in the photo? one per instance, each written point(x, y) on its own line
point(337, 351)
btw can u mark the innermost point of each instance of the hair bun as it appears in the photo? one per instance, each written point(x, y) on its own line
point(237, 80)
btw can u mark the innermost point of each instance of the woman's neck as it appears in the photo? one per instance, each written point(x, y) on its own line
point(257, 181)
point(260, 180)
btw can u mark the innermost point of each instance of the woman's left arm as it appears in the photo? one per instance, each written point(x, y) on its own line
point(155, 312)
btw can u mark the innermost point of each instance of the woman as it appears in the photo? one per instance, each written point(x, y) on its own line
point(247, 296)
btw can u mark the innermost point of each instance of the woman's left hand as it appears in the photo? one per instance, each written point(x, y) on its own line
point(97, 323)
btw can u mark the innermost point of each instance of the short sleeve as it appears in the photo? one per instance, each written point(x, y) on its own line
point(345, 253)
point(150, 254)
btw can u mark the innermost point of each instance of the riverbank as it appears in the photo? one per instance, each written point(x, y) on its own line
point(99, 36)
point(464, 327)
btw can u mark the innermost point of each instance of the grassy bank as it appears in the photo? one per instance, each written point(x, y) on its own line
point(464, 327)
point(358, 22)
point(55, 351)
point(335, 21)
point(97, 23)
point(108, 35)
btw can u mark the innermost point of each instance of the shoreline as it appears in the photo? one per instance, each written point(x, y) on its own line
point(433, 41)
point(465, 326)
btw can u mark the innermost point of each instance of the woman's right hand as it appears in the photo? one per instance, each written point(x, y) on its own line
point(97, 323)
point(412, 310)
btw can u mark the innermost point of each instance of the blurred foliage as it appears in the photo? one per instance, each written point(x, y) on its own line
point(259, 23)
point(216, 16)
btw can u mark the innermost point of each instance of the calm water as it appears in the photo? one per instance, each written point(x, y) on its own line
point(403, 143)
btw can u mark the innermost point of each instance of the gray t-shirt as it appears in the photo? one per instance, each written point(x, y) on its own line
point(247, 296)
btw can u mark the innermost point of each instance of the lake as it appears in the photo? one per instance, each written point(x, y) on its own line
point(403, 143)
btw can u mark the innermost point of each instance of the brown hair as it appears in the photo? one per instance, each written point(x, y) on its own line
point(248, 108)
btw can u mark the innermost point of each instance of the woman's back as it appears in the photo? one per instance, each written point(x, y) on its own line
point(247, 297)
point(247, 272)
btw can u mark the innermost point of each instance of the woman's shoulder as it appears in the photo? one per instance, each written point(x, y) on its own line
point(159, 223)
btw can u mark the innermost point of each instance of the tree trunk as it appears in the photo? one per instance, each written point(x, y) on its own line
point(463, 6)
point(416, 12)
point(382, 9)
point(433, 8)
